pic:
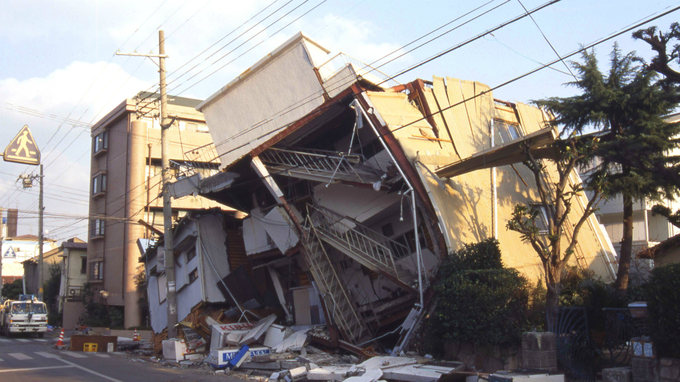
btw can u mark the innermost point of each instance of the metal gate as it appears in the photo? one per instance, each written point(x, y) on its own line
point(620, 327)
point(574, 348)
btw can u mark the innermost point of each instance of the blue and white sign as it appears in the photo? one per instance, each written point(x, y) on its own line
point(10, 253)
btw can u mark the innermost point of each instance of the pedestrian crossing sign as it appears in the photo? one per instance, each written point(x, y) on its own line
point(23, 149)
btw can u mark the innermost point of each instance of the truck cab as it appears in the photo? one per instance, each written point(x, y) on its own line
point(26, 315)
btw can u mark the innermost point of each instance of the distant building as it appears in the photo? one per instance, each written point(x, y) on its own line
point(16, 250)
point(71, 258)
point(126, 183)
point(648, 229)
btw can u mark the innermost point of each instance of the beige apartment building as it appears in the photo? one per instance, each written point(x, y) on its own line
point(125, 188)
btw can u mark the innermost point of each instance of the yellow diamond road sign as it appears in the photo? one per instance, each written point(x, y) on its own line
point(23, 149)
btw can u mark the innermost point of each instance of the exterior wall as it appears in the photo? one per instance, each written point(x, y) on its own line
point(205, 237)
point(72, 277)
point(465, 204)
point(133, 144)
point(289, 73)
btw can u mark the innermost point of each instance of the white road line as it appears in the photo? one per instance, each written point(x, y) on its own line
point(1, 360)
point(89, 371)
point(23, 340)
point(101, 355)
point(19, 356)
point(74, 354)
point(46, 354)
point(41, 340)
point(34, 368)
point(5, 340)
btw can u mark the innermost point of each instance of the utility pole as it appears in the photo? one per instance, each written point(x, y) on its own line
point(171, 296)
point(27, 182)
point(40, 237)
point(167, 202)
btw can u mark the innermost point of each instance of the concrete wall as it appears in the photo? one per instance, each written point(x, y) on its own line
point(72, 312)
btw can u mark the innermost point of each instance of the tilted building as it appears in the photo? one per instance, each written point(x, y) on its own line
point(348, 181)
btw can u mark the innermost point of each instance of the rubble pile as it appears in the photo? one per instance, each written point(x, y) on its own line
point(267, 351)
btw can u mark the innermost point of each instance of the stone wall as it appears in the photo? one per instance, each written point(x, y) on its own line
point(669, 369)
point(539, 351)
point(486, 359)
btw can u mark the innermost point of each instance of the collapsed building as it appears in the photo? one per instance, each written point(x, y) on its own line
point(355, 188)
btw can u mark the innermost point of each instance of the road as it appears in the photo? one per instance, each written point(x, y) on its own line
point(26, 358)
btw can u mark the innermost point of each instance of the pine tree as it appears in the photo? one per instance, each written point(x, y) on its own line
point(625, 108)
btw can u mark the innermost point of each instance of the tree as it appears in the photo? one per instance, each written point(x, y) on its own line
point(556, 248)
point(667, 48)
point(625, 108)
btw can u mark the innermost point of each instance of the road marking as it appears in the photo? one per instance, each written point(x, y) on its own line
point(89, 371)
point(74, 355)
point(1, 360)
point(19, 356)
point(34, 368)
point(5, 340)
point(101, 355)
point(23, 340)
point(42, 340)
point(46, 354)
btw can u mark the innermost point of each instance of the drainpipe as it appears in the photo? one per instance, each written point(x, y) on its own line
point(413, 197)
point(494, 191)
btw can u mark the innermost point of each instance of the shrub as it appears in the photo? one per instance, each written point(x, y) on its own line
point(663, 297)
point(484, 307)
point(477, 300)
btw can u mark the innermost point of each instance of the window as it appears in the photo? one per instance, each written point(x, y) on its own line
point(193, 275)
point(542, 218)
point(97, 270)
point(99, 184)
point(191, 254)
point(83, 265)
point(98, 227)
point(162, 288)
point(100, 142)
point(505, 132)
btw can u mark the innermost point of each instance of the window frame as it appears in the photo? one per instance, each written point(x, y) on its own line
point(97, 271)
point(98, 228)
point(100, 143)
point(99, 184)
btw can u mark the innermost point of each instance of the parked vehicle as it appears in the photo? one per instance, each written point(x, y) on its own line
point(26, 315)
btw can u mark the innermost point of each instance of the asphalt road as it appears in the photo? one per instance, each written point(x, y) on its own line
point(25, 358)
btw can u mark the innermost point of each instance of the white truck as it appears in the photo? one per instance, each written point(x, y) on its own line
point(26, 315)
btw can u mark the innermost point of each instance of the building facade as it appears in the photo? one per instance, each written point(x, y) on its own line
point(126, 185)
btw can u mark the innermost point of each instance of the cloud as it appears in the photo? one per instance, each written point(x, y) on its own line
point(83, 92)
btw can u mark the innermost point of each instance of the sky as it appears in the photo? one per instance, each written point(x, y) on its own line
point(59, 73)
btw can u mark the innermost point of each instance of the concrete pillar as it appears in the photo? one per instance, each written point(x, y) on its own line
point(135, 211)
point(539, 351)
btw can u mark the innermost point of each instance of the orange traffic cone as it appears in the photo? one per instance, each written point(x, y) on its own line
point(135, 337)
point(60, 342)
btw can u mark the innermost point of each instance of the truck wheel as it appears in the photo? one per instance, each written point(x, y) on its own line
point(41, 335)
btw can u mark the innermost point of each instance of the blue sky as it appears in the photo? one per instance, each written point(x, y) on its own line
point(57, 62)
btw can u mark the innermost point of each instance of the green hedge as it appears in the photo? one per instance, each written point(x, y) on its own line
point(477, 300)
point(663, 301)
point(484, 307)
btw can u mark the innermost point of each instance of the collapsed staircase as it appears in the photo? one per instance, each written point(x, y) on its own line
point(367, 247)
point(336, 299)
